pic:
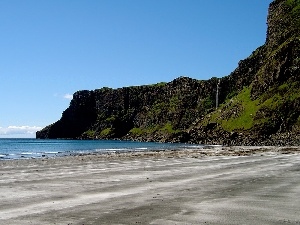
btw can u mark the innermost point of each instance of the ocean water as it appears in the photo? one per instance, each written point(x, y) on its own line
point(14, 148)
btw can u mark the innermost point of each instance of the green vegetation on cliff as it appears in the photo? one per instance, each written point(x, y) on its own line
point(241, 113)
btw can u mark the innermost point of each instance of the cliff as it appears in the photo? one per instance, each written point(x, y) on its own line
point(258, 104)
point(148, 112)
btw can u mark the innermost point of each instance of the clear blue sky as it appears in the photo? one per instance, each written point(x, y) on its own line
point(49, 49)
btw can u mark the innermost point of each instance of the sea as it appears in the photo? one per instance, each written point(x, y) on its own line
point(27, 148)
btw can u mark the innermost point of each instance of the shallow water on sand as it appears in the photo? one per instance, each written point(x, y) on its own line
point(15, 148)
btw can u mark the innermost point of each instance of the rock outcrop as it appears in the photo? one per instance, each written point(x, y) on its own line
point(141, 112)
point(258, 104)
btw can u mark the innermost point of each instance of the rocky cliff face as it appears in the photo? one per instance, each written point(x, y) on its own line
point(147, 112)
point(265, 109)
point(259, 102)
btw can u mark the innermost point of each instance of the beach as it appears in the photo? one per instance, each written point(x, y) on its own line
point(212, 185)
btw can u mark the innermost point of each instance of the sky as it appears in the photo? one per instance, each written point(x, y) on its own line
point(50, 49)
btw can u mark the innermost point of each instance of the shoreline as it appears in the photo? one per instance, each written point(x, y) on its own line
point(197, 152)
point(213, 185)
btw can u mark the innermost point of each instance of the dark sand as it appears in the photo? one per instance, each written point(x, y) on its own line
point(232, 185)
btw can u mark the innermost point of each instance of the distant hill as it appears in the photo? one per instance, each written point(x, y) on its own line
point(257, 104)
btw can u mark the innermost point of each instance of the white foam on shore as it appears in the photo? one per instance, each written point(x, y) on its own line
point(111, 149)
point(28, 153)
point(195, 146)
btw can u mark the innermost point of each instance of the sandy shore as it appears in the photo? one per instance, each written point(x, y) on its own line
point(220, 185)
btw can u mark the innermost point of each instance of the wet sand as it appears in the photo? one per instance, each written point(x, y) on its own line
point(220, 185)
